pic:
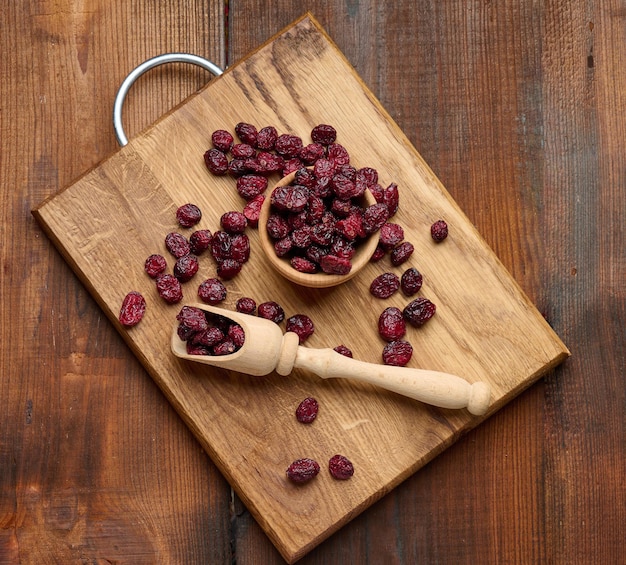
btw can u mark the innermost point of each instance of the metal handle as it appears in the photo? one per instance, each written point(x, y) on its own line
point(141, 69)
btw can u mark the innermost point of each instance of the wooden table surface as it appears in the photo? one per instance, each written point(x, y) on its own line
point(518, 107)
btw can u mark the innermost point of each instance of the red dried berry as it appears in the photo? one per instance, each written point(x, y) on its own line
point(390, 235)
point(245, 305)
point(385, 285)
point(222, 140)
point(266, 138)
point(375, 217)
point(155, 265)
point(247, 133)
point(224, 347)
point(267, 163)
point(177, 244)
point(324, 169)
point(288, 146)
point(343, 350)
point(378, 254)
point(391, 324)
point(133, 309)
point(419, 311)
point(212, 291)
point(233, 222)
point(238, 167)
point(324, 134)
point(277, 226)
point(439, 231)
point(188, 215)
point(240, 248)
point(216, 162)
point(301, 325)
point(209, 337)
point(228, 269)
point(411, 281)
point(290, 198)
point(340, 467)
point(307, 410)
point(302, 265)
point(303, 470)
point(236, 334)
point(401, 253)
point(271, 311)
point(311, 153)
point(242, 151)
point(397, 353)
point(169, 288)
point(391, 198)
point(291, 166)
point(199, 241)
point(338, 154)
point(186, 267)
point(192, 320)
point(334, 265)
point(252, 210)
point(221, 246)
point(250, 186)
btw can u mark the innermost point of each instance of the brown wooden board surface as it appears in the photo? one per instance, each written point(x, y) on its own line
point(111, 219)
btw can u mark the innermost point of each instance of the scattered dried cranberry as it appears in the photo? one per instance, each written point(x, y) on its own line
point(397, 353)
point(340, 467)
point(221, 246)
point(391, 324)
point(411, 281)
point(240, 248)
point(212, 291)
point(228, 268)
point(216, 162)
point(188, 215)
point(401, 253)
point(266, 138)
point(385, 285)
point(375, 217)
point(334, 265)
point(324, 134)
point(132, 310)
point(245, 305)
point(391, 198)
point(378, 254)
point(439, 231)
point(155, 265)
point(247, 133)
point(199, 241)
point(303, 470)
point(169, 288)
point(222, 140)
point(307, 410)
point(252, 210)
point(250, 186)
point(271, 311)
point(242, 151)
point(233, 222)
point(177, 244)
point(390, 235)
point(311, 153)
point(343, 350)
point(419, 311)
point(338, 154)
point(186, 267)
point(288, 145)
point(301, 325)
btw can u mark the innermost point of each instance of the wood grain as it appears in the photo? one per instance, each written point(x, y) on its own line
point(486, 329)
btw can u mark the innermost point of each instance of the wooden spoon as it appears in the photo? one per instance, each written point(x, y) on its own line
point(267, 349)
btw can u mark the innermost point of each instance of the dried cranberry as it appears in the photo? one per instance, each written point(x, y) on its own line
point(397, 353)
point(311, 153)
point(242, 151)
point(378, 254)
point(375, 217)
point(266, 138)
point(351, 227)
point(288, 145)
point(324, 168)
point(216, 162)
point(411, 281)
point(238, 167)
point(324, 134)
point(186, 267)
point(221, 243)
point(307, 410)
point(133, 309)
point(209, 337)
point(252, 210)
point(283, 246)
point(344, 187)
point(391, 198)
point(193, 318)
point(236, 334)
point(303, 265)
point(391, 324)
point(385, 285)
point(343, 350)
point(212, 291)
point(155, 265)
point(224, 347)
point(199, 241)
point(277, 226)
point(271, 311)
point(169, 288)
point(390, 235)
point(222, 140)
point(188, 215)
point(439, 231)
point(291, 166)
point(245, 305)
point(368, 176)
point(177, 244)
point(240, 248)
point(419, 311)
point(228, 268)
point(247, 133)
point(338, 154)
point(303, 470)
point(250, 186)
point(290, 198)
point(233, 222)
point(267, 163)
point(301, 325)
point(334, 265)
point(340, 467)
point(401, 253)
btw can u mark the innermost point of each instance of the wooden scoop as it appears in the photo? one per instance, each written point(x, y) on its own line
point(267, 349)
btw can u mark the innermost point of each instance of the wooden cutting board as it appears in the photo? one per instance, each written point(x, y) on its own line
point(107, 223)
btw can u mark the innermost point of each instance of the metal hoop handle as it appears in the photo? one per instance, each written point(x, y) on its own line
point(144, 67)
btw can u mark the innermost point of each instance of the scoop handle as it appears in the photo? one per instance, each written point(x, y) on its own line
point(432, 387)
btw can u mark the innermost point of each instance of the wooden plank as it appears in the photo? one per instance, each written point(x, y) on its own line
point(486, 328)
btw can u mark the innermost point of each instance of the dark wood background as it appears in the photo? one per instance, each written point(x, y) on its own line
point(518, 107)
